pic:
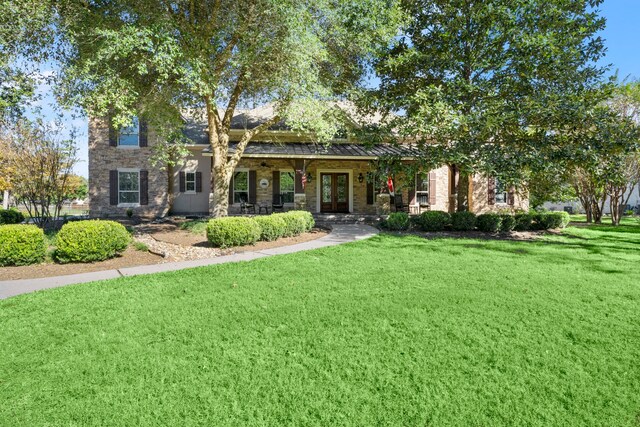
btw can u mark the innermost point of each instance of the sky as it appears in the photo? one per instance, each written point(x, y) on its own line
point(622, 39)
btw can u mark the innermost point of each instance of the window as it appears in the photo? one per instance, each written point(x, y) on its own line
point(501, 192)
point(190, 182)
point(422, 189)
point(240, 186)
point(287, 186)
point(129, 187)
point(130, 136)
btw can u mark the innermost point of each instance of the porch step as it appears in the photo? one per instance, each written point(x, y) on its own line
point(346, 218)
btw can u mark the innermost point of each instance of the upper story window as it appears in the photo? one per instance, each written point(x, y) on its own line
point(422, 189)
point(501, 192)
point(287, 186)
point(240, 186)
point(190, 182)
point(130, 136)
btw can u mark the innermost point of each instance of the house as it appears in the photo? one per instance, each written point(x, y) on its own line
point(280, 165)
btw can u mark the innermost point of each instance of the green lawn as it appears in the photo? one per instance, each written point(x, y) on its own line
point(388, 331)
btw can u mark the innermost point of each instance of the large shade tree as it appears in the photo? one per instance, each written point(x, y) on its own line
point(491, 86)
point(160, 58)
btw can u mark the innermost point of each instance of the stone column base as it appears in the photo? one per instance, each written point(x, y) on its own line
point(383, 204)
point(300, 201)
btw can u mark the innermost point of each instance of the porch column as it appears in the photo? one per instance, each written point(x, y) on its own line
point(299, 197)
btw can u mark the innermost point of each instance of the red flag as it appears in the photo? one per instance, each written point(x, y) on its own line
point(304, 178)
point(390, 185)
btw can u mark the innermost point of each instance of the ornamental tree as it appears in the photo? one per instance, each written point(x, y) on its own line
point(491, 86)
point(157, 58)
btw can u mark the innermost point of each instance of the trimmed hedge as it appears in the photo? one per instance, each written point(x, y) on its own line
point(89, 241)
point(233, 231)
point(489, 222)
point(11, 216)
point(508, 223)
point(272, 227)
point(21, 245)
point(294, 224)
point(550, 220)
point(565, 218)
point(305, 217)
point(434, 220)
point(397, 221)
point(463, 221)
point(524, 222)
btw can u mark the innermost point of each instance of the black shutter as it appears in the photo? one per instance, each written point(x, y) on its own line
point(181, 182)
point(369, 193)
point(491, 191)
point(113, 187)
point(252, 186)
point(144, 187)
point(412, 192)
point(143, 134)
point(275, 184)
point(113, 134)
point(198, 182)
point(231, 190)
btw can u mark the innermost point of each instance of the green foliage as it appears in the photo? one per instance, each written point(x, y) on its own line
point(397, 221)
point(233, 231)
point(434, 220)
point(508, 222)
point(294, 224)
point(11, 216)
point(550, 220)
point(305, 217)
point(195, 226)
point(21, 245)
point(140, 246)
point(272, 227)
point(463, 221)
point(524, 221)
point(89, 241)
point(489, 222)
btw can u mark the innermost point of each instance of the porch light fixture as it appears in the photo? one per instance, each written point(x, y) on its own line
point(360, 178)
point(309, 177)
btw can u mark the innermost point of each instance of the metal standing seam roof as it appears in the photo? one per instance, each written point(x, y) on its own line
point(309, 150)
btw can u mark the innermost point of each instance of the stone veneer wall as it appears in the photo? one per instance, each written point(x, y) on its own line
point(103, 158)
point(480, 201)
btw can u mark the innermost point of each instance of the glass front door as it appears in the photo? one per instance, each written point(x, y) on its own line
point(334, 189)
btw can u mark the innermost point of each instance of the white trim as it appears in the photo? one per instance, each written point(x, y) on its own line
point(232, 189)
point(128, 205)
point(416, 192)
point(129, 146)
point(186, 181)
point(318, 183)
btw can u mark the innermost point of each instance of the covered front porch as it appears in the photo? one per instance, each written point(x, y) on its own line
point(325, 180)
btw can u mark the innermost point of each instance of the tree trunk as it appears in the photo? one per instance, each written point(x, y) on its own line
point(170, 198)
point(463, 193)
point(5, 199)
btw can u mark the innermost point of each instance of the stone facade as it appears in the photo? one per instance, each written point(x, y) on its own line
point(104, 158)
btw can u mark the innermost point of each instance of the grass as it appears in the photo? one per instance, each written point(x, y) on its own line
point(196, 226)
point(140, 246)
point(389, 331)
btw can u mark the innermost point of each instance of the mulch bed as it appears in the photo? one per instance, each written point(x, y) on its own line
point(176, 244)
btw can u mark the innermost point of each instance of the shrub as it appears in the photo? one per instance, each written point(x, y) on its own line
point(272, 227)
point(11, 216)
point(508, 223)
point(463, 221)
point(551, 220)
point(434, 220)
point(21, 245)
point(233, 231)
point(524, 222)
point(305, 217)
point(89, 241)
point(295, 224)
point(565, 218)
point(489, 222)
point(397, 221)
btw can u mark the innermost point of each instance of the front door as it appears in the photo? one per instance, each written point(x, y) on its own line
point(334, 189)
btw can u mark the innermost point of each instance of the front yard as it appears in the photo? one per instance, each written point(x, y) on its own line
point(389, 331)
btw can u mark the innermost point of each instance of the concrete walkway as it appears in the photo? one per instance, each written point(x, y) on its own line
point(341, 233)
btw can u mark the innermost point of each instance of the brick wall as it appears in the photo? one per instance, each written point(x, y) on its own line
point(103, 158)
point(480, 201)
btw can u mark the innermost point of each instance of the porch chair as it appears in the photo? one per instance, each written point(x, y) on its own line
point(246, 208)
point(278, 203)
point(400, 206)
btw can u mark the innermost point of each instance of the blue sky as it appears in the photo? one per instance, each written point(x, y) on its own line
point(622, 39)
